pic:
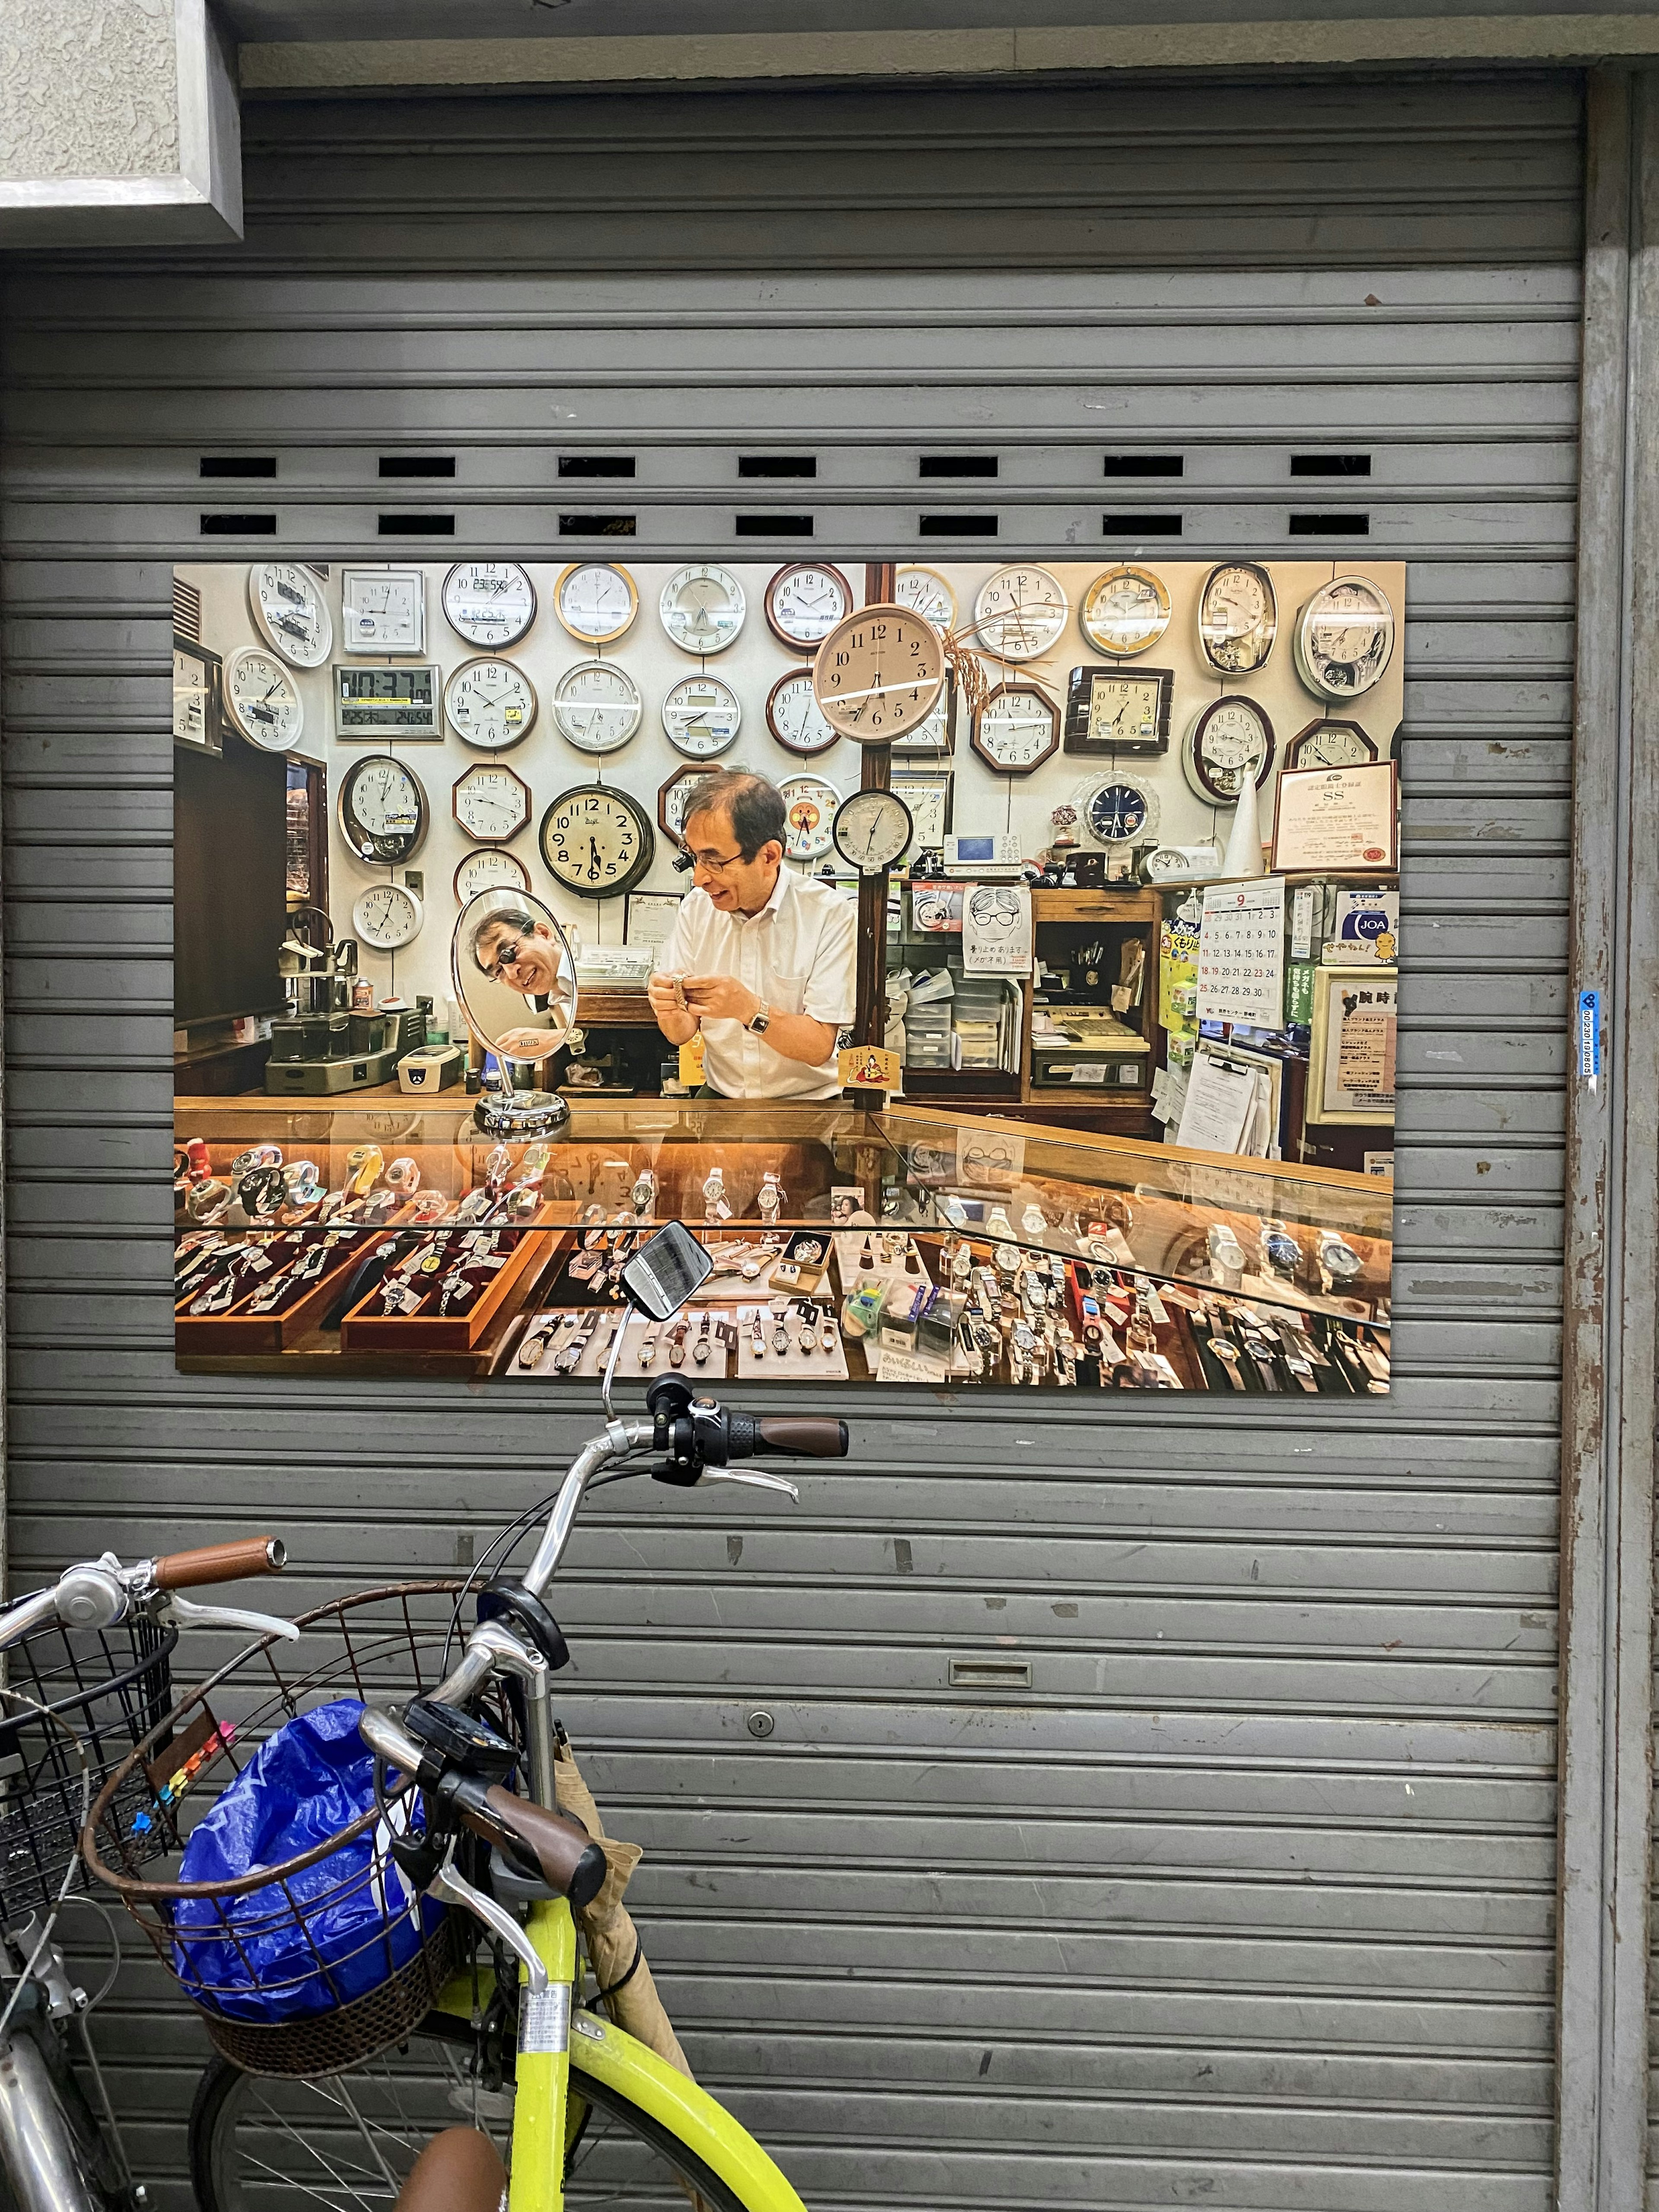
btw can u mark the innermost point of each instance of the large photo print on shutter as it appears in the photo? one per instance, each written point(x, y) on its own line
point(1023, 1013)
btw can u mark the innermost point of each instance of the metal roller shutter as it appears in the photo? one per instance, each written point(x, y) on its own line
point(1249, 1900)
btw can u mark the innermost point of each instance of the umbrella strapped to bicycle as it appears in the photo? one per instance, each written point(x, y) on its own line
point(377, 1916)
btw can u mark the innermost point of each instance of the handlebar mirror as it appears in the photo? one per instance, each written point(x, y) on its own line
point(666, 1271)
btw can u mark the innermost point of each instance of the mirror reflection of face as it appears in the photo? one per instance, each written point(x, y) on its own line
point(525, 960)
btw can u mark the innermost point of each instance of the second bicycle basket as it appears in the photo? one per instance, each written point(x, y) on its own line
point(288, 1923)
point(76, 1702)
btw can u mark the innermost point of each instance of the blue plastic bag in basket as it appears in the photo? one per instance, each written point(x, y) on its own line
point(332, 1933)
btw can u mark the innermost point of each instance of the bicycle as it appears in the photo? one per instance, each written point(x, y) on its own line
point(94, 1651)
point(555, 2092)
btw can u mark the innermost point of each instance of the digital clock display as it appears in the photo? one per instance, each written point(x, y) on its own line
point(372, 702)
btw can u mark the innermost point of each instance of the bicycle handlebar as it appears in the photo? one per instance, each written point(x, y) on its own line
point(219, 1563)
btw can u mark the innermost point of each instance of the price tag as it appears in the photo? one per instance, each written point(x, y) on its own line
point(691, 1062)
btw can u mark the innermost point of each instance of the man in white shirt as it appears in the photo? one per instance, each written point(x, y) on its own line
point(765, 958)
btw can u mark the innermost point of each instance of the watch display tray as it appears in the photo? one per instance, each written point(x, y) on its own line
point(366, 1327)
point(237, 1331)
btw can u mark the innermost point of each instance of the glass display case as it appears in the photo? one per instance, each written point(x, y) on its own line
point(905, 1246)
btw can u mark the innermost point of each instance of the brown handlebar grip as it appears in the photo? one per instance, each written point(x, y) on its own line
point(571, 1862)
point(221, 1563)
point(808, 1436)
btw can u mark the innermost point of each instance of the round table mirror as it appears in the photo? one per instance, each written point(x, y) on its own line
point(515, 984)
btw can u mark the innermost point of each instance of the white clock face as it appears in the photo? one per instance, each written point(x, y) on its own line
point(1237, 618)
point(810, 804)
point(1019, 613)
point(287, 603)
point(804, 601)
point(1119, 811)
point(383, 610)
point(192, 699)
point(490, 704)
point(926, 593)
point(595, 601)
point(597, 706)
point(1124, 611)
point(1231, 739)
point(263, 699)
point(703, 608)
point(1344, 637)
point(488, 603)
point(596, 841)
point(701, 716)
point(382, 809)
point(1331, 745)
point(491, 803)
point(871, 829)
point(794, 717)
point(674, 800)
point(488, 872)
point(386, 916)
point(1018, 727)
point(933, 736)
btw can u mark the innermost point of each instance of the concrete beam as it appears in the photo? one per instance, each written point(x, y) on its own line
point(118, 124)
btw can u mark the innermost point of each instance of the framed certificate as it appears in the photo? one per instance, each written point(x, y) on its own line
point(1337, 821)
point(1351, 1059)
point(649, 916)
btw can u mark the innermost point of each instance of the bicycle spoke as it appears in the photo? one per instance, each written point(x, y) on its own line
point(289, 2181)
point(286, 2127)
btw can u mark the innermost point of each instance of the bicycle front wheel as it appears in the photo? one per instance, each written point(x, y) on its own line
point(347, 2141)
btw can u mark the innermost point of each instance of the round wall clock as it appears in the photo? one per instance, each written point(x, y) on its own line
point(289, 611)
point(702, 607)
point(871, 829)
point(924, 592)
point(1016, 728)
point(934, 736)
point(1326, 744)
point(804, 601)
point(1124, 611)
point(596, 841)
point(1230, 739)
point(489, 802)
point(387, 916)
point(878, 674)
point(701, 716)
point(794, 717)
point(491, 603)
point(675, 798)
point(1119, 811)
point(490, 704)
point(1238, 617)
point(263, 700)
point(810, 803)
point(1344, 637)
point(487, 870)
point(1019, 613)
point(596, 601)
point(383, 810)
point(597, 706)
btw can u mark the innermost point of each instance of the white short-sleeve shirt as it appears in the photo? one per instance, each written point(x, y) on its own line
point(798, 953)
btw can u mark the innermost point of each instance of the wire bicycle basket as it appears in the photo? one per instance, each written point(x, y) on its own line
point(322, 1960)
point(77, 1702)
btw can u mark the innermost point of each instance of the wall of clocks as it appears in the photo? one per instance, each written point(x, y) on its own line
point(637, 677)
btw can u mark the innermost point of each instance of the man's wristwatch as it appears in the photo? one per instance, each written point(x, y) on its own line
point(760, 1021)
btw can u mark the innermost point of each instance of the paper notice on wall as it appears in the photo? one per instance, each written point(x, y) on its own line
point(996, 930)
point(1220, 1104)
point(1241, 954)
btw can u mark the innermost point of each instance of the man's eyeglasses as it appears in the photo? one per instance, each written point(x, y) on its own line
point(507, 957)
point(712, 864)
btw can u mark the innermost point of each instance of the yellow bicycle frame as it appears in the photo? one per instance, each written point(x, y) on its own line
point(553, 2039)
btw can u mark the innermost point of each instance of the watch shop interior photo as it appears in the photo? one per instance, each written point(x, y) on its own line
point(1079, 882)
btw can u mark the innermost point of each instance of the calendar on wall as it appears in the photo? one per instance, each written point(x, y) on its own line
point(1241, 953)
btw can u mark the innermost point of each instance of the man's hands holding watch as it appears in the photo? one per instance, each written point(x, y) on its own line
point(722, 999)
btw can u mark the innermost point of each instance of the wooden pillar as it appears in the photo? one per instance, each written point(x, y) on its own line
point(870, 1023)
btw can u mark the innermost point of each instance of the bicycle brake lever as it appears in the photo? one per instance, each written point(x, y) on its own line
point(755, 1481)
point(453, 1890)
point(188, 1614)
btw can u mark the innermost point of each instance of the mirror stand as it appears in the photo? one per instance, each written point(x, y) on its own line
point(516, 1112)
point(515, 985)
